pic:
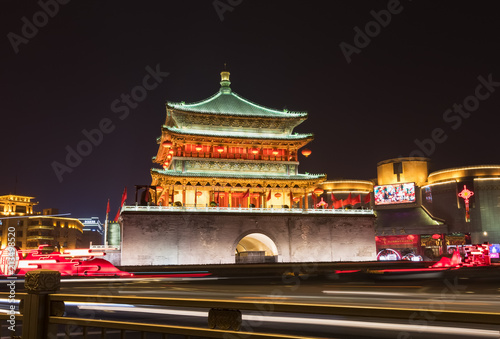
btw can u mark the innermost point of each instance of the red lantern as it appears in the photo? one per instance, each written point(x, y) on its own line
point(171, 151)
point(222, 194)
point(198, 148)
point(410, 237)
point(166, 163)
point(296, 199)
point(169, 156)
point(318, 191)
point(220, 149)
point(276, 152)
point(306, 152)
point(159, 188)
point(255, 150)
point(436, 236)
point(167, 144)
point(199, 193)
point(278, 195)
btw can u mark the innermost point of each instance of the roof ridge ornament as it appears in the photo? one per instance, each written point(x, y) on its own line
point(224, 81)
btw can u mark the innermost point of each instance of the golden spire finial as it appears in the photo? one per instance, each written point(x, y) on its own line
point(224, 80)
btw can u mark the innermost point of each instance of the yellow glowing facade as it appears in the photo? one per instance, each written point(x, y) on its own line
point(458, 173)
point(28, 229)
point(403, 170)
point(348, 186)
point(12, 204)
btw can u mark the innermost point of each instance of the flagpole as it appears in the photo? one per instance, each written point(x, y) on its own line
point(106, 227)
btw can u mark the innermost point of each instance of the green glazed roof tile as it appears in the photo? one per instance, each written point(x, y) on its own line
point(233, 104)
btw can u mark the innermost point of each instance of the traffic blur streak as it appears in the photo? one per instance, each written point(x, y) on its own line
point(472, 290)
point(459, 293)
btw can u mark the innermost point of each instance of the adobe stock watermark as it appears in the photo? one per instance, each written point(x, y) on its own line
point(94, 137)
point(421, 320)
point(455, 115)
point(223, 6)
point(40, 19)
point(9, 261)
point(372, 29)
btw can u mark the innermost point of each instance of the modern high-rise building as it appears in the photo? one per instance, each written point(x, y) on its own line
point(93, 231)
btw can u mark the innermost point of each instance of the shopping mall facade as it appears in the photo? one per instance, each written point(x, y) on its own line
point(427, 214)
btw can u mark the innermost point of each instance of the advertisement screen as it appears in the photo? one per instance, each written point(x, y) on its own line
point(394, 194)
point(495, 251)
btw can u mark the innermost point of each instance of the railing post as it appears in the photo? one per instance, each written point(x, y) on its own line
point(36, 308)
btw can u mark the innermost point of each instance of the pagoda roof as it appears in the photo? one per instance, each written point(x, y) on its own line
point(174, 173)
point(238, 134)
point(229, 103)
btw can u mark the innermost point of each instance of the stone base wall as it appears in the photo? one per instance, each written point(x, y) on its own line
point(162, 238)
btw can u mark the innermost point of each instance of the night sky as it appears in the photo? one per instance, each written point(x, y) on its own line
point(400, 86)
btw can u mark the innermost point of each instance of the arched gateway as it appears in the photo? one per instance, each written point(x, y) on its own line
point(256, 248)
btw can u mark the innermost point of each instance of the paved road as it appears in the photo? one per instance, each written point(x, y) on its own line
point(464, 293)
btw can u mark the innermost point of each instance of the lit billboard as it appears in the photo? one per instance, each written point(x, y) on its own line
point(394, 194)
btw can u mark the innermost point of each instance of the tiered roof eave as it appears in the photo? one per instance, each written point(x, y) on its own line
point(172, 177)
point(232, 104)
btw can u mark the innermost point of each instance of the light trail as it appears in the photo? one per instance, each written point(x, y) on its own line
point(365, 325)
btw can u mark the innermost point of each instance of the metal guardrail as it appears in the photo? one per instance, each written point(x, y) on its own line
point(324, 309)
point(246, 210)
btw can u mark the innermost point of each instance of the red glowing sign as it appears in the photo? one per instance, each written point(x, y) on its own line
point(466, 194)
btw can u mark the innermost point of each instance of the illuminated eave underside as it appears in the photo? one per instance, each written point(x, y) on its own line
point(216, 175)
point(236, 134)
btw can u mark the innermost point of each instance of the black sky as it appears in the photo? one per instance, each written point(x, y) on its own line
point(280, 54)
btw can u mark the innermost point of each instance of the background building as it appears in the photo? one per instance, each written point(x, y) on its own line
point(93, 232)
point(443, 196)
point(32, 229)
point(427, 215)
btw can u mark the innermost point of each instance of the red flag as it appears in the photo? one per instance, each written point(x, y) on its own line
point(356, 200)
point(333, 198)
point(337, 204)
point(107, 208)
point(124, 197)
point(247, 194)
point(347, 201)
point(269, 196)
point(367, 198)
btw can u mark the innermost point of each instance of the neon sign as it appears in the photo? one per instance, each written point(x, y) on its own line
point(466, 194)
